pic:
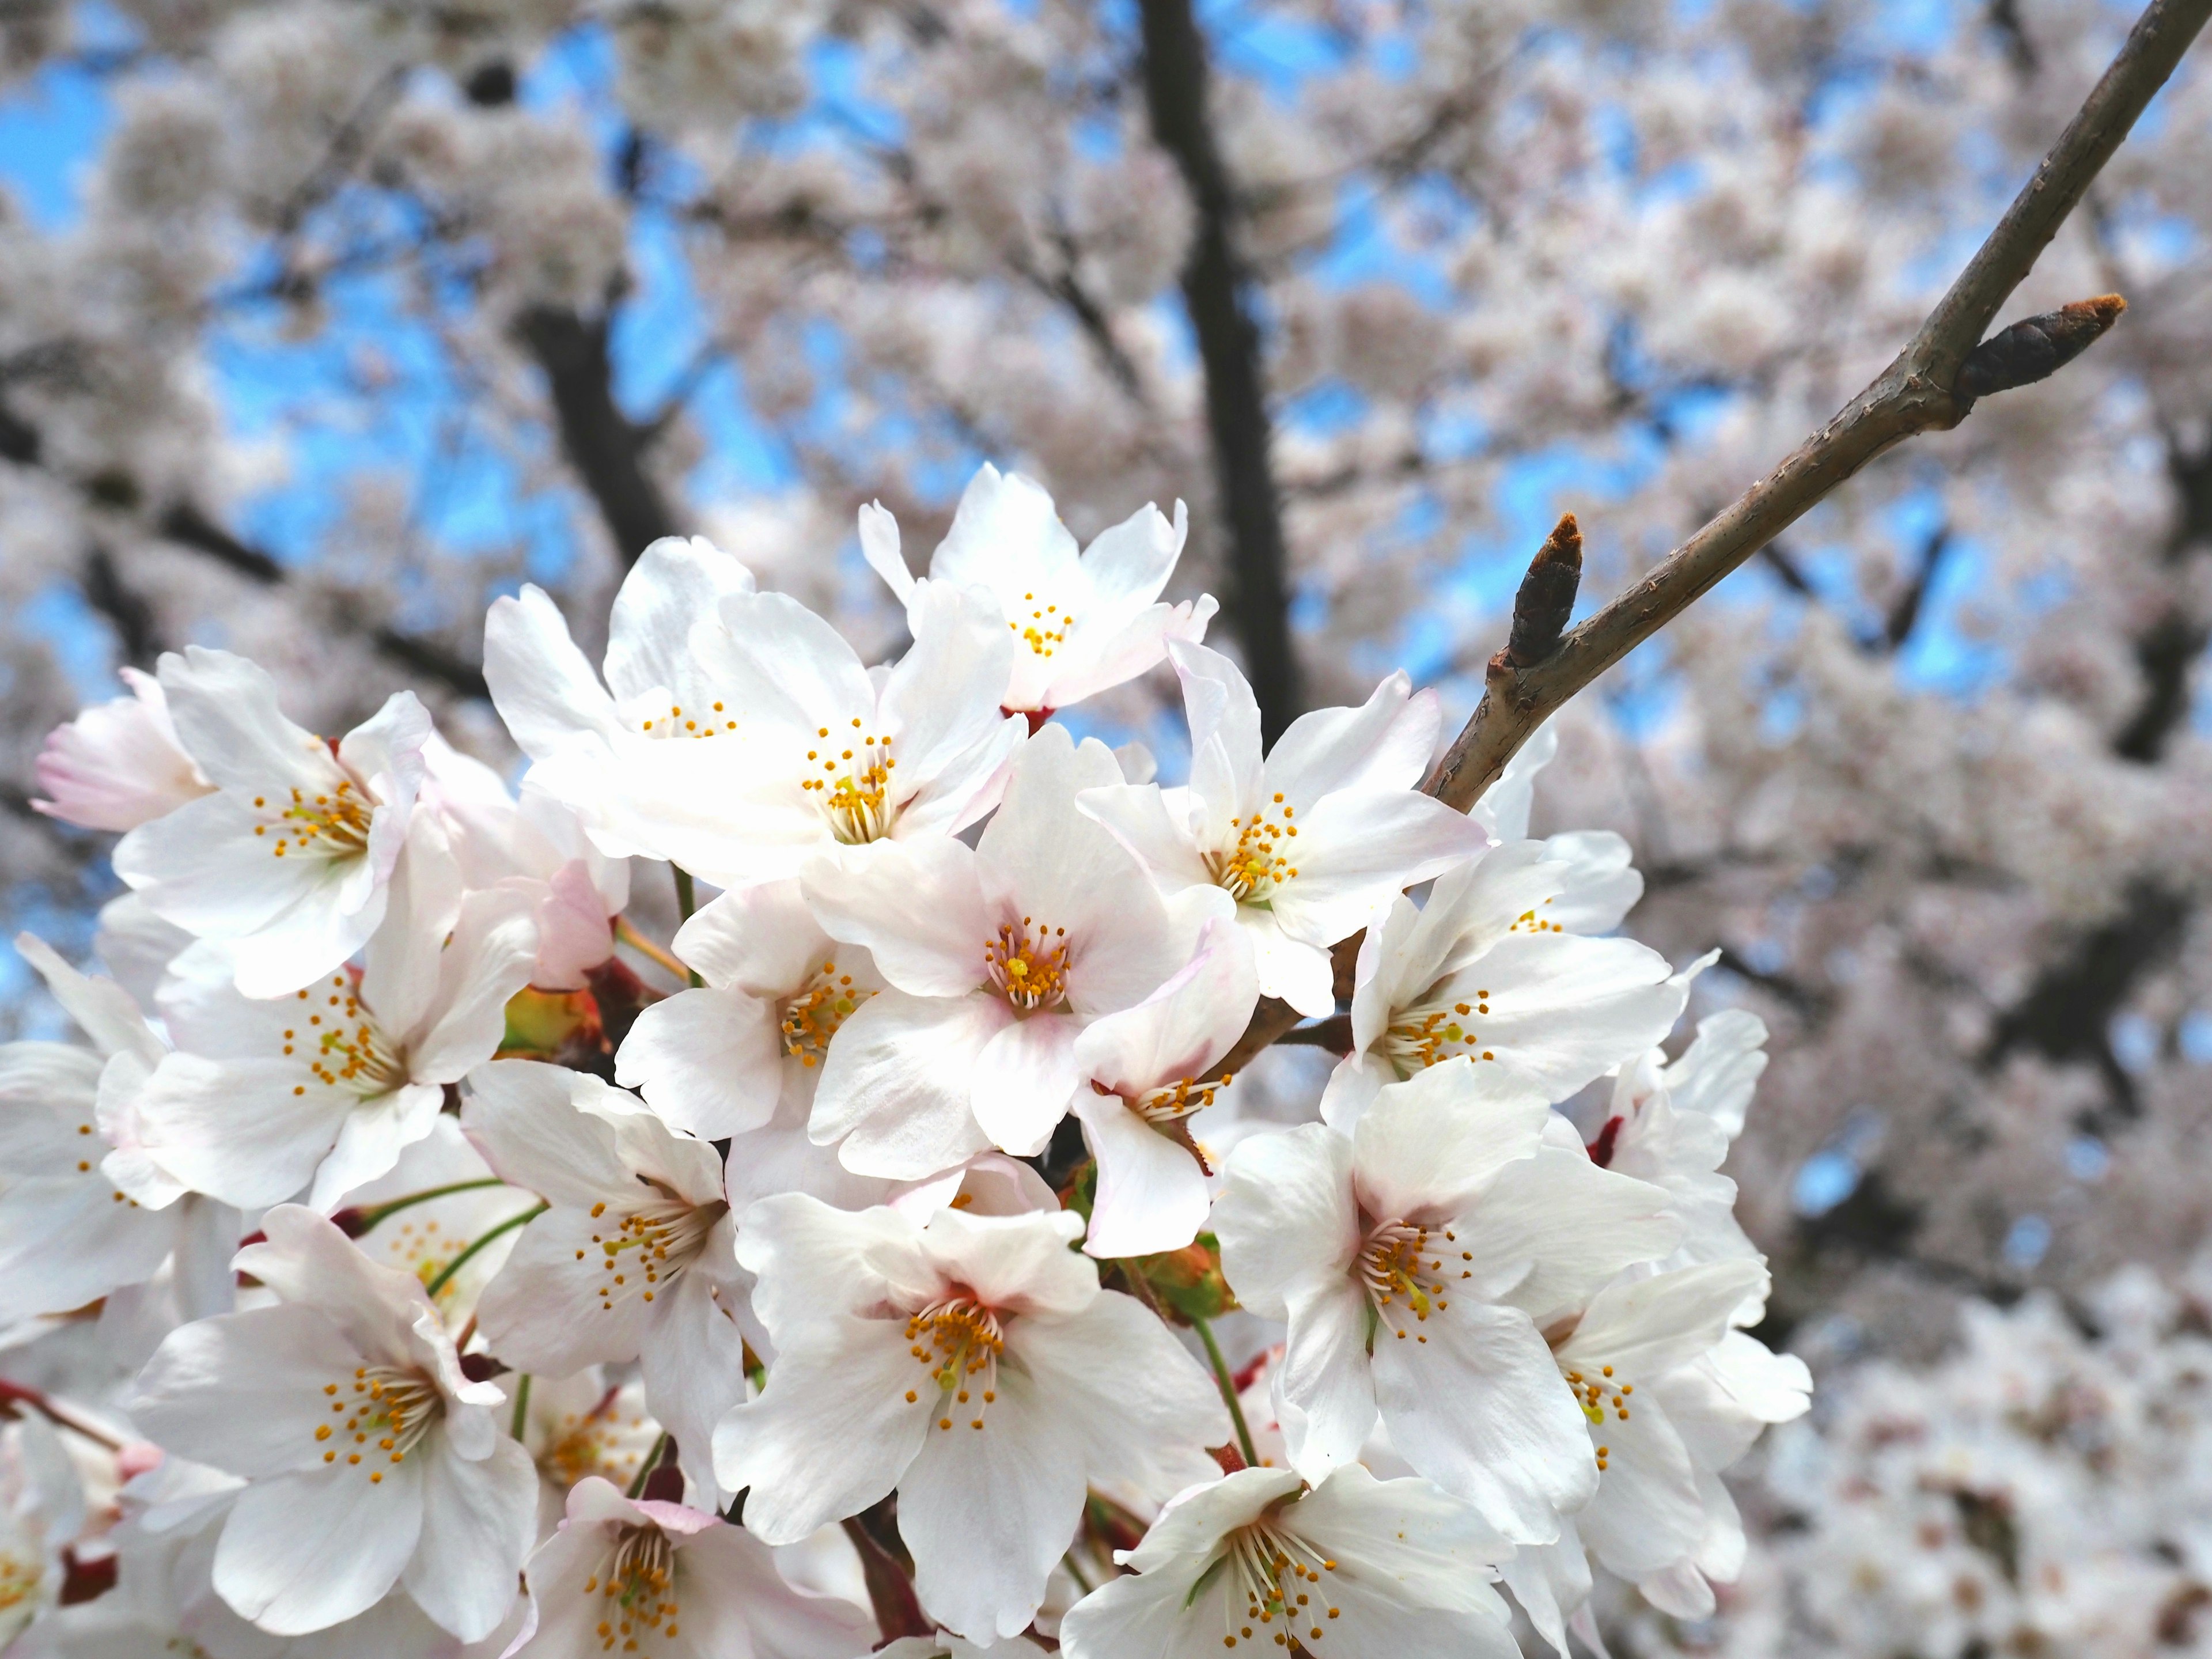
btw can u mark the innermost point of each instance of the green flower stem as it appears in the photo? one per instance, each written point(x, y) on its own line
point(446, 1274)
point(1228, 1387)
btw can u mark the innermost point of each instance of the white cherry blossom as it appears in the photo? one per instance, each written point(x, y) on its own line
point(319, 1091)
point(1081, 624)
point(372, 1461)
point(632, 1261)
point(1419, 1262)
point(839, 759)
point(972, 1363)
point(1479, 972)
point(1353, 1567)
point(627, 1575)
point(119, 763)
point(996, 958)
point(85, 1213)
point(289, 862)
point(1307, 841)
point(42, 1510)
point(1141, 1072)
point(621, 755)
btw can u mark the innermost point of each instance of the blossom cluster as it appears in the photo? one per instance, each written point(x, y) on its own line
point(857, 1284)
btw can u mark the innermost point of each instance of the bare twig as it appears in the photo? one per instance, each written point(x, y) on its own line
point(1918, 392)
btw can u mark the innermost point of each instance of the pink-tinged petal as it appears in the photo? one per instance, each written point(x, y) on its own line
point(1018, 1264)
point(710, 1063)
point(1181, 1029)
point(1151, 1195)
point(1324, 1390)
point(1137, 645)
point(1226, 768)
point(880, 546)
point(895, 1089)
point(832, 1433)
point(304, 1552)
point(1286, 1218)
point(524, 1117)
point(573, 934)
point(371, 1137)
point(987, 1513)
point(244, 1392)
point(1385, 743)
point(1024, 1077)
point(761, 939)
point(732, 1600)
point(1138, 816)
point(1426, 1147)
point(541, 683)
point(488, 959)
point(1357, 850)
point(477, 1521)
point(941, 699)
point(119, 763)
point(1578, 1224)
point(251, 1133)
point(1474, 1402)
point(676, 580)
point(915, 906)
point(1292, 970)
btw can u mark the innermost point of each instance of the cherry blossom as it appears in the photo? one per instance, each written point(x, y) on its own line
point(1353, 1565)
point(1081, 622)
point(619, 1571)
point(1419, 1262)
point(1308, 841)
point(290, 860)
point(118, 764)
point(633, 1257)
point(371, 1459)
point(972, 1363)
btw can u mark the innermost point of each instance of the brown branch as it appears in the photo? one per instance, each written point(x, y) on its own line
point(1918, 392)
point(605, 447)
point(1214, 286)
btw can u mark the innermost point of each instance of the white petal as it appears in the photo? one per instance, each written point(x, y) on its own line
point(1324, 1391)
point(1356, 850)
point(1287, 1216)
point(523, 1117)
point(250, 1133)
point(1576, 1224)
point(304, 1551)
point(477, 1521)
point(675, 581)
point(709, 1062)
point(879, 545)
point(1427, 1145)
point(493, 950)
point(370, 1138)
point(244, 1392)
point(895, 1089)
point(1025, 1078)
point(541, 683)
point(761, 939)
point(1138, 816)
point(1143, 1408)
point(1151, 1195)
point(917, 907)
point(1387, 742)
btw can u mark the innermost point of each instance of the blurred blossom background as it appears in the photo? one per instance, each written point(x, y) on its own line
point(323, 322)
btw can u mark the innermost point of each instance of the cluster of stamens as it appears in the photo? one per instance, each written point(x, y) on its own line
point(1398, 1267)
point(859, 803)
point(1029, 970)
point(597, 1442)
point(1046, 631)
point(347, 1050)
point(1269, 1568)
point(84, 1167)
point(697, 723)
point(811, 1017)
point(1598, 1394)
point(1261, 861)
point(334, 823)
point(649, 1248)
point(1527, 922)
point(958, 1341)
point(640, 1582)
point(1421, 1036)
point(385, 1409)
point(1175, 1101)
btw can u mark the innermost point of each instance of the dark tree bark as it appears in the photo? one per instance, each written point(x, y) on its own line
point(605, 447)
point(1217, 293)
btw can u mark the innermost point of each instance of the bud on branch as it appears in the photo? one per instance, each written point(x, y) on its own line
point(2035, 347)
point(1547, 598)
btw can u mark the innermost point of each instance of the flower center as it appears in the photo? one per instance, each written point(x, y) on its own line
point(1421, 1036)
point(1173, 1101)
point(380, 1409)
point(333, 824)
point(699, 723)
point(811, 1017)
point(601, 1442)
point(1045, 628)
point(19, 1581)
point(1597, 1395)
point(346, 1047)
point(650, 1246)
point(1402, 1271)
point(1028, 964)
point(1272, 1569)
point(639, 1588)
point(1260, 862)
point(957, 1340)
point(854, 793)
